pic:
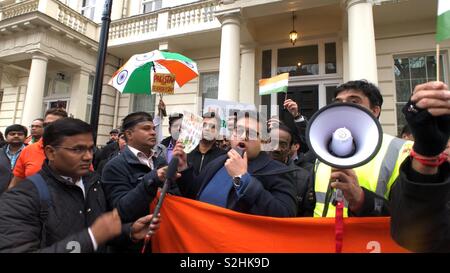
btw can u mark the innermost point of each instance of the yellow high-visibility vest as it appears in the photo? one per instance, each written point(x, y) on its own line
point(377, 176)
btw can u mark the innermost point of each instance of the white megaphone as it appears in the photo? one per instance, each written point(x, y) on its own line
point(344, 135)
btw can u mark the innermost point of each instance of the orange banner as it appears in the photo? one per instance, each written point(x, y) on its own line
point(189, 226)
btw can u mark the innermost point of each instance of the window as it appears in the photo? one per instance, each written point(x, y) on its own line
point(330, 93)
point(58, 85)
point(89, 98)
point(152, 5)
point(144, 102)
point(299, 61)
point(266, 73)
point(209, 86)
point(91, 85)
point(64, 104)
point(330, 58)
point(410, 71)
point(88, 111)
point(88, 9)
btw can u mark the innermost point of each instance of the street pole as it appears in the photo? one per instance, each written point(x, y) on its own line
point(98, 83)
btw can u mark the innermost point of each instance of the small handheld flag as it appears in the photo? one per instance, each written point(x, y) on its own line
point(275, 84)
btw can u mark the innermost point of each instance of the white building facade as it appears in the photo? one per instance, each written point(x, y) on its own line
point(48, 52)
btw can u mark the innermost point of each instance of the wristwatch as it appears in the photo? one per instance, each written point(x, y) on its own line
point(299, 118)
point(237, 181)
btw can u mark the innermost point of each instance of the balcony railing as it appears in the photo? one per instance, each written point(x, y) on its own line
point(72, 19)
point(57, 11)
point(192, 14)
point(20, 8)
point(165, 22)
point(133, 26)
point(168, 21)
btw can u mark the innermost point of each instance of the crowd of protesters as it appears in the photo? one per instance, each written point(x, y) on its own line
point(59, 193)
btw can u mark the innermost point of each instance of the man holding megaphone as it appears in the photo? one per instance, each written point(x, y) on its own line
point(366, 173)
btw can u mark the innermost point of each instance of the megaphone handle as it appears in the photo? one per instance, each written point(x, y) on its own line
point(328, 195)
point(339, 221)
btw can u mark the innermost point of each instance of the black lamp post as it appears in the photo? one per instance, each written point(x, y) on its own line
point(98, 83)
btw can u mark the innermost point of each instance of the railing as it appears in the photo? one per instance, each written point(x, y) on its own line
point(20, 8)
point(72, 19)
point(132, 26)
point(56, 10)
point(192, 14)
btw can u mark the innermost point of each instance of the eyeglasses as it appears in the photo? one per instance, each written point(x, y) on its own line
point(81, 150)
point(249, 133)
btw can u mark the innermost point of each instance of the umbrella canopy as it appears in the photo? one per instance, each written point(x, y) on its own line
point(136, 75)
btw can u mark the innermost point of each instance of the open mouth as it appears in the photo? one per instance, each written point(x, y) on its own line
point(242, 145)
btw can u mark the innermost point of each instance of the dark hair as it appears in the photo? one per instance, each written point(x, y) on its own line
point(173, 117)
point(2, 140)
point(283, 127)
point(56, 112)
point(39, 119)
point(133, 119)
point(114, 131)
point(214, 116)
point(406, 130)
point(16, 128)
point(370, 91)
point(56, 131)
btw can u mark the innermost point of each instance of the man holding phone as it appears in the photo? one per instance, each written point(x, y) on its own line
point(253, 183)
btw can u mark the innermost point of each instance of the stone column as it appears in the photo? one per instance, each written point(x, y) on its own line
point(78, 95)
point(32, 107)
point(247, 80)
point(229, 55)
point(361, 41)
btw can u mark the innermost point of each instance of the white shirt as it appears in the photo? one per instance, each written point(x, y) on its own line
point(80, 184)
point(147, 161)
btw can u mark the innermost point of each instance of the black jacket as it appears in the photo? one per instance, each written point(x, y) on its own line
point(166, 141)
point(129, 185)
point(104, 154)
point(5, 170)
point(420, 209)
point(302, 178)
point(68, 218)
point(198, 161)
point(271, 191)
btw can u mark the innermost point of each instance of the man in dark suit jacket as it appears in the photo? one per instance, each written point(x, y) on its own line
point(254, 183)
point(131, 179)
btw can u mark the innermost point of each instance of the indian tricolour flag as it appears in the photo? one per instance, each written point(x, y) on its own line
point(443, 21)
point(274, 85)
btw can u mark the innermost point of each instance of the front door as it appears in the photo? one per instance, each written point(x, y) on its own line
point(306, 97)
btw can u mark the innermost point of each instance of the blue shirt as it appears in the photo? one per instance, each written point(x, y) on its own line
point(13, 157)
point(218, 189)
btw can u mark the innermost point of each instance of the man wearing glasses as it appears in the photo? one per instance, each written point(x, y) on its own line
point(63, 208)
point(37, 130)
point(253, 183)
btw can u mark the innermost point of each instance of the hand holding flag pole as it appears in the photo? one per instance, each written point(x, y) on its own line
point(442, 29)
point(171, 174)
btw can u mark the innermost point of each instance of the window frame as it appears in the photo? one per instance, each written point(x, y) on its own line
point(152, 5)
point(200, 91)
point(132, 101)
point(444, 71)
point(88, 11)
